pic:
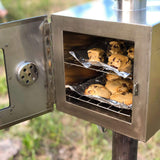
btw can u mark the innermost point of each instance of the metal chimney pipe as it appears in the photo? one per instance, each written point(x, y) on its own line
point(130, 5)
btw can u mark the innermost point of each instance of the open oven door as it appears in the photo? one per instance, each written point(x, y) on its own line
point(26, 48)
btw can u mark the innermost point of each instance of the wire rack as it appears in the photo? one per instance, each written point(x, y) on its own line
point(98, 106)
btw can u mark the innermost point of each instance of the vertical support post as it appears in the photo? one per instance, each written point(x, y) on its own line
point(123, 148)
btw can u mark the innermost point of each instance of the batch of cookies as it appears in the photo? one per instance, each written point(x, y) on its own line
point(120, 56)
point(116, 87)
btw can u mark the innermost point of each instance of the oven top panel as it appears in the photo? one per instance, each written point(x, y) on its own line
point(104, 10)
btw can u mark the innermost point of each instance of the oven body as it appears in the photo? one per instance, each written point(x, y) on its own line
point(137, 27)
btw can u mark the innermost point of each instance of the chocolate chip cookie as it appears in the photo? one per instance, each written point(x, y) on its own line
point(125, 97)
point(120, 62)
point(97, 90)
point(130, 52)
point(96, 54)
point(116, 87)
point(116, 47)
point(111, 77)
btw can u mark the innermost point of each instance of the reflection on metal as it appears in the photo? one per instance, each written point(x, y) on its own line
point(105, 10)
point(27, 73)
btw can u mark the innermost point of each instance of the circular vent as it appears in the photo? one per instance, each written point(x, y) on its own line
point(27, 73)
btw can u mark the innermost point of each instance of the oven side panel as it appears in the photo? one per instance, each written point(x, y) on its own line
point(137, 33)
point(153, 114)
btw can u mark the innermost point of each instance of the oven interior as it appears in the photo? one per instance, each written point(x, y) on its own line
point(79, 76)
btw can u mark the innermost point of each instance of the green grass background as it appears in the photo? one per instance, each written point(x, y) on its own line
point(45, 137)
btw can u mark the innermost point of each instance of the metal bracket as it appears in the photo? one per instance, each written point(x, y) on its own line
point(102, 129)
point(47, 39)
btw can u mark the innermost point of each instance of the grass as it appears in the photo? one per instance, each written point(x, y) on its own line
point(57, 134)
point(52, 132)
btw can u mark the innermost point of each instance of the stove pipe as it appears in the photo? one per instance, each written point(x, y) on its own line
point(130, 5)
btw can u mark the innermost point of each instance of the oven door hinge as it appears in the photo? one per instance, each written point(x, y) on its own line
point(47, 41)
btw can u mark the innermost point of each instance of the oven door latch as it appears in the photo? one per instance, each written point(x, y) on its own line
point(135, 89)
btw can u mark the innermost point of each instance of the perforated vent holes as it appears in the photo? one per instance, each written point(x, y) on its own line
point(27, 73)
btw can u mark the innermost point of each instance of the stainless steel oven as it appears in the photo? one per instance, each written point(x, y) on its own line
point(44, 46)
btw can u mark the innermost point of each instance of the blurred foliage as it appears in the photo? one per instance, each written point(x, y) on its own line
point(3, 85)
point(19, 9)
point(1, 58)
